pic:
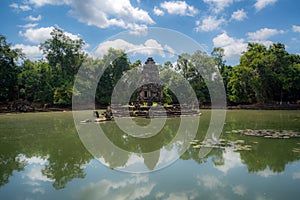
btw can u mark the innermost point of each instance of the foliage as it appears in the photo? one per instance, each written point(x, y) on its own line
point(8, 70)
point(64, 56)
point(263, 75)
point(115, 63)
point(34, 82)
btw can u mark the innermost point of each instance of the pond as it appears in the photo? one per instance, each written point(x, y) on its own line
point(42, 157)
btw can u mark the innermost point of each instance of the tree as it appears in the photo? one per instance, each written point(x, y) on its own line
point(240, 85)
point(34, 81)
point(8, 70)
point(218, 56)
point(115, 63)
point(255, 58)
point(65, 56)
point(136, 64)
point(273, 73)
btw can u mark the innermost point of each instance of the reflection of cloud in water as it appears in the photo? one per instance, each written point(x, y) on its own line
point(159, 195)
point(261, 197)
point(35, 174)
point(135, 187)
point(177, 196)
point(210, 182)
point(32, 160)
point(147, 161)
point(35, 165)
point(38, 190)
point(231, 160)
point(296, 175)
point(134, 159)
point(167, 156)
point(239, 190)
point(187, 195)
point(267, 173)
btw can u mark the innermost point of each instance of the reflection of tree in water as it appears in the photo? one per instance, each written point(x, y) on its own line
point(8, 162)
point(115, 158)
point(67, 155)
point(271, 153)
point(140, 145)
point(267, 153)
point(53, 136)
point(146, 148)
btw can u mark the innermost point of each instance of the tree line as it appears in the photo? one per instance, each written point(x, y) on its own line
point(263, 75)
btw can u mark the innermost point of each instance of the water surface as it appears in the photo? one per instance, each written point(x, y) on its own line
point(42, 157)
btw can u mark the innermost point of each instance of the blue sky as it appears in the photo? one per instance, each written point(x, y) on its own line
point(229, 24)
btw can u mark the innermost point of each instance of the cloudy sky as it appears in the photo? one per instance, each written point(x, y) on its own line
point(230, 24)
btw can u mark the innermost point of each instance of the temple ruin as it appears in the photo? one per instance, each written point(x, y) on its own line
point(151, 90)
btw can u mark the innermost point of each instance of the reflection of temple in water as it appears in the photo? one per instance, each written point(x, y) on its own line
point(150, 90)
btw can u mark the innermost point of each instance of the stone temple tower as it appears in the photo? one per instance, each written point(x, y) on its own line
point(151, 90)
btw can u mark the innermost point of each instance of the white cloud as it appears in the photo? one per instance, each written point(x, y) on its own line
point(210, 182)
point(267, 173)
point(39, 35)
point(72, 36)
point(296, 28)
point(157, 11)
point(183, 195)
point(20, 7)
point(104, 14)
point(29, 25)
point(179, 8)
point(266, 43)
point(218, 5)
point(25, 7)
point(177, 196)
point(231, 160)
point(136, 187)
point(149, 47)
point(232, 47)
point(209, 23)
point(264, 34)
point(35, 164)
point(35, 174)
point(32, 160)
point(260, 4)
point(39, 3)
point(14, 5)
point(170, 50)
point(38, 190)
point(159, 195)
point(296, 175)
point(239, 190)
point(239, 15)
point(32, 18)
point(31, 52)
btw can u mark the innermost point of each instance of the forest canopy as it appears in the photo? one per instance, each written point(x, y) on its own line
point(263, 75)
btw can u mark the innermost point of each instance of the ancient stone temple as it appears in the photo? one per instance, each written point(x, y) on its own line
point(151, 90)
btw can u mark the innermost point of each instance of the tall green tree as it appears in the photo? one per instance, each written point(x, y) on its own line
point(218, 54)
point(240, 85)
point(34, 81)
point(272, 73)
point(255, 59)
point(8, 70)
point(116, 63)
point(64, 55)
